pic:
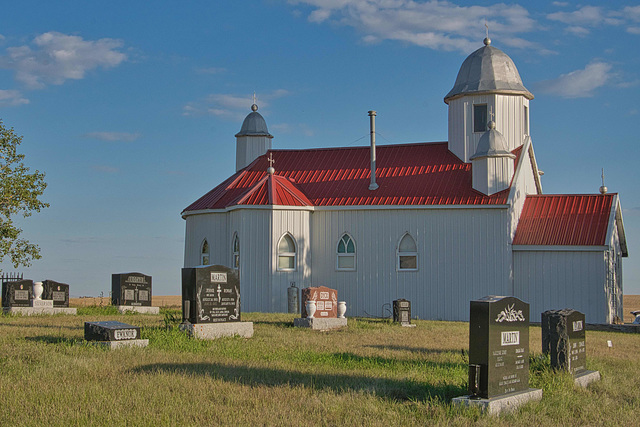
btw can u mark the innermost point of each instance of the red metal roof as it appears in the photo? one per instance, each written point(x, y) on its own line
point(411, 174)
point(564, 220)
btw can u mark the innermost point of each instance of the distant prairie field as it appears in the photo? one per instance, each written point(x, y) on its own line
point(372, 373)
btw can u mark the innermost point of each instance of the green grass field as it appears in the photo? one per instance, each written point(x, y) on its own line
point(371, 373)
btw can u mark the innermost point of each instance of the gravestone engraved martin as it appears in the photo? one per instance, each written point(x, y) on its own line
point(213, 294)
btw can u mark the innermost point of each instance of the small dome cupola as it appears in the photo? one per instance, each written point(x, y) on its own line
point(492, 165)
point(488, 70)
point(253, 140)
point(492, 144)
point(254, 125)
point(488, 80)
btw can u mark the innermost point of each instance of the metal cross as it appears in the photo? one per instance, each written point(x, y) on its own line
point(270, 160)
point(603, 177)
point(254, 97)
point(491, 113)
point(487, 26)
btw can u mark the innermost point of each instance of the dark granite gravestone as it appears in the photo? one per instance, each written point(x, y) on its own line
point(498, 346)
point(58, 292)
point(326, 301)
point(132, 289)
point(110, 331)
point(210, 294)
point(17, 293)
point(563, 338)
point(402, 311)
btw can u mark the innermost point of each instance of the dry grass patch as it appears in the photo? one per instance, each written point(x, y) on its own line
point(372, 373)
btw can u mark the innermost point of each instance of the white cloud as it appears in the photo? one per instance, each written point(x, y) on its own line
point(578, 31)
point(587, 15)
point(438, 25)
point(57, 57)
point(230, 106)
point(11, 98)
point(579, 83)
point(633, 30)
point(632, 13)
point(113, 136)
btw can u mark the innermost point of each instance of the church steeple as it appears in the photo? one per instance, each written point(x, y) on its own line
point(253, 140)
point(488, 80)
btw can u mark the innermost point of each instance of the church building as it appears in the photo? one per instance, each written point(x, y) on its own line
point(438, 223)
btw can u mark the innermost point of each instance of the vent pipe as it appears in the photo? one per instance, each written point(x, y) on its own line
point(373, 185)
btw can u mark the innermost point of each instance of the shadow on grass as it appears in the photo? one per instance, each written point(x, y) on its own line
point(48, 339)
point(386, 388)
point(277, 323)
point(40, 326)
point(419, 349)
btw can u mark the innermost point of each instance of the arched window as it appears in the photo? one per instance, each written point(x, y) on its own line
point(346, 253)
point(236, 252)
point(407, 254)
point(204, 253)
point(287, 253)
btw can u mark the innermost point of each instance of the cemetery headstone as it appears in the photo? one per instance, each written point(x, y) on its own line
point(131, 289)
point(402, 312)
point(564, 339)
point(113, 334)
point(499, 354)
point(326, 301)
point(210, 297)
point(325, 307)
point(17, 293)
point(57, 292)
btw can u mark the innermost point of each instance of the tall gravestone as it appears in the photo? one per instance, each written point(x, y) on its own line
point(17, 293)
point(57, 292)
point(564, 339)
point(211, 302)
point(132, 292)
point(499, 354)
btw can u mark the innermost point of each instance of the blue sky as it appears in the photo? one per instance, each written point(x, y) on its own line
point(131, 107)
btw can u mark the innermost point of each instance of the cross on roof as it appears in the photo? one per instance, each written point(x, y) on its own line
point(270, 160)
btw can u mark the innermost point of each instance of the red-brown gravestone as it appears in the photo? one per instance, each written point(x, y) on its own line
point(326, 301)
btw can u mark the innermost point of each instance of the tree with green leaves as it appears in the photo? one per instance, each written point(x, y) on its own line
point(19, 196)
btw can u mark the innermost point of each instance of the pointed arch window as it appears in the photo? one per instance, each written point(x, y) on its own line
point(204, 253)
point(407, 255)
point(236, 252)
point(287, 253)
point(346, 253)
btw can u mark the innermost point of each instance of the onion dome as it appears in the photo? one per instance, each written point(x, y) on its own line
point(492, 144)
point(488, 70)
point(254, 125)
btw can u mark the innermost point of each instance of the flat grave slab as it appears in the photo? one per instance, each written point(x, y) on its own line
point(211, 331)
point(113, 334)
point(320, 323)
point(34, 311)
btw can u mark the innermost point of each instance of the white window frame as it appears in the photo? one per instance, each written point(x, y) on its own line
point(346, 254)
point(293, 254)
point(235, 260)
point(204, 254)
point(407, 254)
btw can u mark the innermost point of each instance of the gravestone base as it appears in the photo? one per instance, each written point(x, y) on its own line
point(585, 378)
point(407, 325)
point(138, 309)
point(211, 331)
point(30, 311)
point(120, 344)
point(320, 324)
point(504, 403)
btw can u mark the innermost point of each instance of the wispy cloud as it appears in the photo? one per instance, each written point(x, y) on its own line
point(230, 106)
point(12, 97)
point(583, 19)
point(437, 25)
point(53, 58)
point(579, 83)
point(113, 136)
point(210, 70)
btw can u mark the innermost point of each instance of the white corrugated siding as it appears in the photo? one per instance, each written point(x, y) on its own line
point(550, 280)
point(463, 255)
point(508, 114)
point(296, 223)
point(213, 227)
